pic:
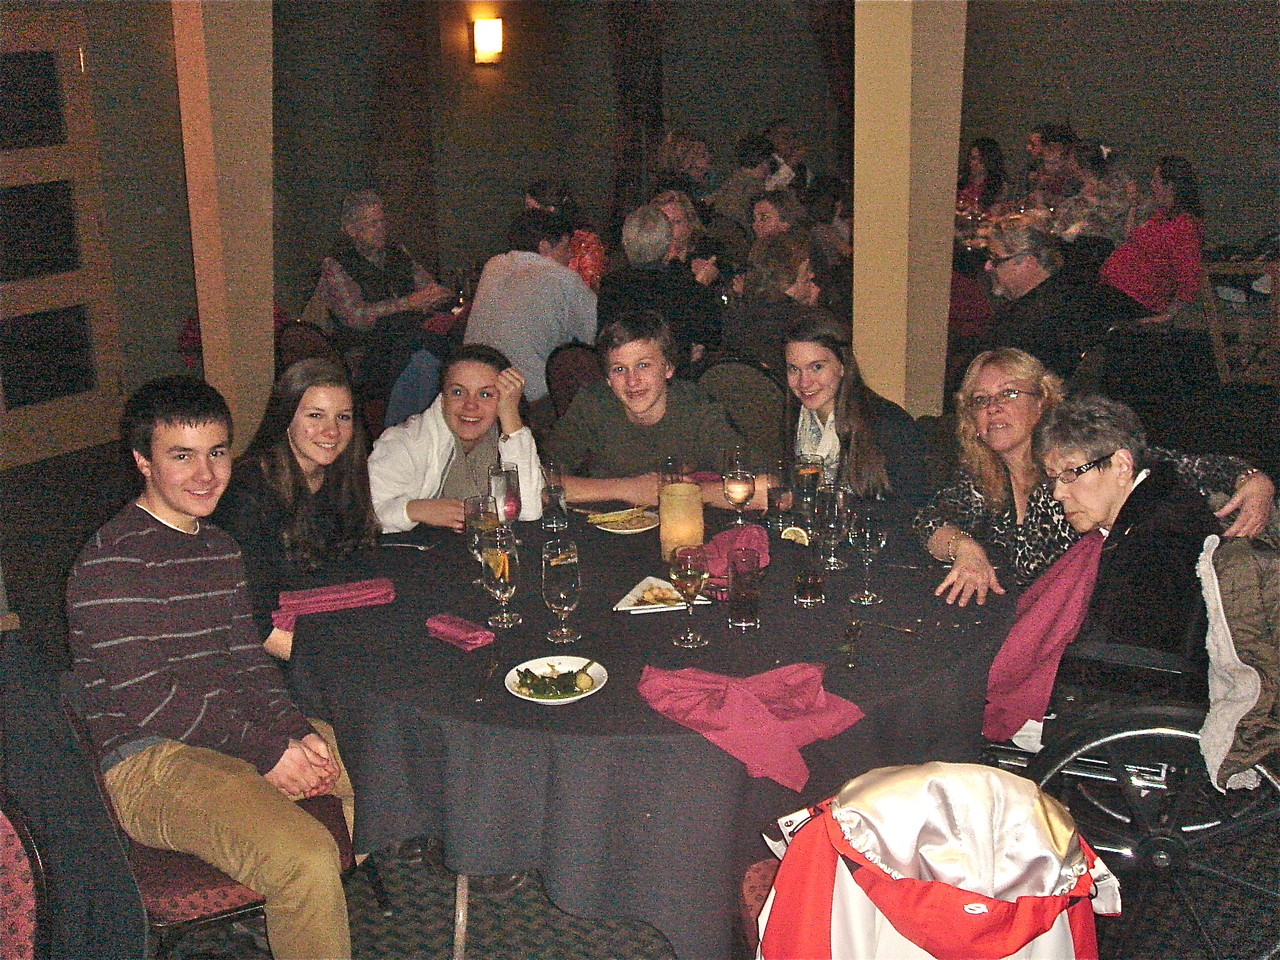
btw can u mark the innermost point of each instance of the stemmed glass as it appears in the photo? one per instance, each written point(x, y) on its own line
point(739, 488)
point(688, 575)
point(501, 573)
point(832, 515)
point(868, 539)
point(561, 586)
point(479, 516)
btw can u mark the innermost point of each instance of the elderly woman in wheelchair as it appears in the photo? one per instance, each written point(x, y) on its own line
point(1123, 749)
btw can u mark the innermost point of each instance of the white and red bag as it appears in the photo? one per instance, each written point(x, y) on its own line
point(947, 861)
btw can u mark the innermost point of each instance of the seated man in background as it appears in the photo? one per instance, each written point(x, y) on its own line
point(616, 433)
point(201, 748)
point(1048, 314)
point(377, 296)
point(528, 302)
point(651, 281)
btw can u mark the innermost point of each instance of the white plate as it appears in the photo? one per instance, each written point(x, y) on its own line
point(634, 603)
point(546, 666)
point(648, 515)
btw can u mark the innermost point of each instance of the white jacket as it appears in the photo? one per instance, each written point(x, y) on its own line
point(410, 461)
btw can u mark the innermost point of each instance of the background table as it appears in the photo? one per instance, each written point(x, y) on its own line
point(623, 811)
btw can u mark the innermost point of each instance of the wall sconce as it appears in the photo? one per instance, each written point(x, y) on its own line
point(486, 40)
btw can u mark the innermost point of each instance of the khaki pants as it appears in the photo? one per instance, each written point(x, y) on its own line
point(220, 809)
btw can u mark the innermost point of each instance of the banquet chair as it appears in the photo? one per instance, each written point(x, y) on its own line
point(571, 367)
point(180, 892)
point(935, 860)
point(753, 402)
point(301, 340)
point(23, 896)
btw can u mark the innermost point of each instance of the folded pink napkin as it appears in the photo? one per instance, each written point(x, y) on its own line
point(762, 720)
point(1049, 616)
point(452, 628)
point(341, 596)
point(703, 476)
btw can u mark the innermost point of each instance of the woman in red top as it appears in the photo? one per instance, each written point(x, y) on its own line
point(1156, 271)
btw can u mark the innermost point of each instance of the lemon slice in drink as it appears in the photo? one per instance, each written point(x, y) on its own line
point(497, 561)
point(796, 535)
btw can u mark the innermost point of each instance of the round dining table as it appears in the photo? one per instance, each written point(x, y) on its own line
point(623, 811)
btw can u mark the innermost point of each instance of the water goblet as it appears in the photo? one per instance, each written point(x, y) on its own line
point(561, 586)
point(831, 517)
point(868, 540)
point(479, 515)
point(501, 573)
point(739, 488)
point(688, 575)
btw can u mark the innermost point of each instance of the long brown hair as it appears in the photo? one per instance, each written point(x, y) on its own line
point(353, 523)
point(982, 464)
point(862, 465)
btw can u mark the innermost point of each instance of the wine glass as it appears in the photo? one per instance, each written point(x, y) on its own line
point(555, 516)
point(504, 487)
point(501, 573)
point(739, 488)
point(830, 521)
point(688, 575)
point(868, 539)
point(479, 515)
point(561, 586)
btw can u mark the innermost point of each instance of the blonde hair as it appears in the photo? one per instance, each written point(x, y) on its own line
point(979, 462)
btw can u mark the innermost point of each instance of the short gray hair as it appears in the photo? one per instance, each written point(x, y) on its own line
point(1093, 426)
point(646, 236)
point(353, 204)
point(1024, 233)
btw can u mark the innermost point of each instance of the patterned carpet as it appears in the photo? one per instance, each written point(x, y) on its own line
point(523, 925)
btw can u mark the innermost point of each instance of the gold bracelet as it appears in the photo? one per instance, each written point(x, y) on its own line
point(1245, 475)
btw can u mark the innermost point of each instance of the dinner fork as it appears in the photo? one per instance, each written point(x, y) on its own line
point(423, 547)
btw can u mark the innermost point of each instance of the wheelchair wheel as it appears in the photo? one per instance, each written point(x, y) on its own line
point(1198, 873)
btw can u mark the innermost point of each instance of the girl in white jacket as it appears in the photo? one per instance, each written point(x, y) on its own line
point(420, 471)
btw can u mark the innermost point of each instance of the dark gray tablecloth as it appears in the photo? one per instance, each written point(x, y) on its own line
point(623, 811)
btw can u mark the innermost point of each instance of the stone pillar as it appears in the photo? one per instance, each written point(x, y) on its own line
point(908, 81)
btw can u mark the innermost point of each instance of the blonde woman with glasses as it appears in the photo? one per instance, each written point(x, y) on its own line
point(998, 507)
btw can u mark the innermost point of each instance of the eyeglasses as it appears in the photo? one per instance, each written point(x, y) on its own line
point(980, 401)
point(997, 261)
point(1072, 474)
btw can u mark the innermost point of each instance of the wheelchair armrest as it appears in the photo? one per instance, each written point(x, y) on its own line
point(1129, 655)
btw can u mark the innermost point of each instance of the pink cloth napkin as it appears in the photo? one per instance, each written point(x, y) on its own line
point(762, 720)
point(1049, 616)
point(750, 537)
point(703, 476)
point(341, 596)
point(462, 633)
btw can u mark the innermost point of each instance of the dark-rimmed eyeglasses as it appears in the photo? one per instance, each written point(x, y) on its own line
point(997, 261)
point(1072, 474)
point(980, 401)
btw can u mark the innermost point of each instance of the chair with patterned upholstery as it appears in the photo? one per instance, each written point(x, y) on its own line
point(182, 893)
point(571, 367)
point(23, 898)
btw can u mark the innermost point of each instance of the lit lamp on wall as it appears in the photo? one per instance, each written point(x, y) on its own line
point(486, 40)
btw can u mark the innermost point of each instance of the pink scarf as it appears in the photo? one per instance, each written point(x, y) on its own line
point(1049, 616)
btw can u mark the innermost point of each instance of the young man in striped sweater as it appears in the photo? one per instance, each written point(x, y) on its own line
point(201, 747)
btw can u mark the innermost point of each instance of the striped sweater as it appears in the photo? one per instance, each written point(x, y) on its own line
point(163, 641)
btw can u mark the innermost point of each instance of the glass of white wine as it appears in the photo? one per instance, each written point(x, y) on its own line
point(868, 539)
point(688, 575)
point(739, 488)
point(501, 573)
point(561, 586)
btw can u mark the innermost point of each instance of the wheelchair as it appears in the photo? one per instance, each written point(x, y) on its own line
point(1199, 870)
